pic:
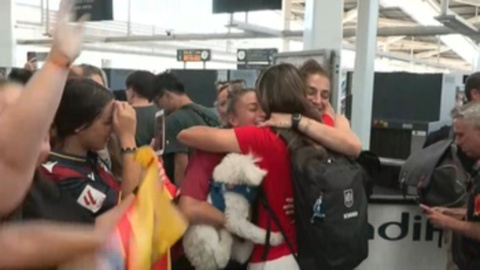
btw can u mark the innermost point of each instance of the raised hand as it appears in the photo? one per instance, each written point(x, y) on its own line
point(67, 38)
point(124, 120)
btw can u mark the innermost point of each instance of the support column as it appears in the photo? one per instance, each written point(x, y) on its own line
point(363, 75)
point(8, 42)
point(287, 18)
point(323, 29)
point(476, 63)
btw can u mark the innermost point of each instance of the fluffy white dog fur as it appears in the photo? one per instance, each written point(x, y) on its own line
point(210, 249)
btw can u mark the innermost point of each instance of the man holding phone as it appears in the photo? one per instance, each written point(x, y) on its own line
point(464, 222)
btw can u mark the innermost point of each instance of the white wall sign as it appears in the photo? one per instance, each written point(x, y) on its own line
point(402, 239)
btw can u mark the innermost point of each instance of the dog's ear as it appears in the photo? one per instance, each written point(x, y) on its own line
point(253, 174)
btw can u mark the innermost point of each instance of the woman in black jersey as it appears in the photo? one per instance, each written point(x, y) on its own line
point(84, 122)
point(45, 201)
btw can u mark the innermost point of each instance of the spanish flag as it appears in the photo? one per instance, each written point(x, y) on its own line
point(152, 224)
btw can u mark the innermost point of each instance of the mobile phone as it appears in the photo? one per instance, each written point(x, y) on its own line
point(159, 136)
point(31, 56)
point(36, 58)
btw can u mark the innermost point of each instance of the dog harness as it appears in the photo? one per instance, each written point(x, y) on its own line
point(217, 190)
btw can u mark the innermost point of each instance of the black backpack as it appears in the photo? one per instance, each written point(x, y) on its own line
point(435, 176)
point(330, 210)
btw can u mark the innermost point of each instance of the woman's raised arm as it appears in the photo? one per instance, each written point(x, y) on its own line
point(24, 126)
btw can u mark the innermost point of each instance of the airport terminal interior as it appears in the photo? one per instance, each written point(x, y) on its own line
point(374, 83)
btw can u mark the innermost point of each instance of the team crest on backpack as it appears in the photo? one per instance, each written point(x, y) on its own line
point(348, 197)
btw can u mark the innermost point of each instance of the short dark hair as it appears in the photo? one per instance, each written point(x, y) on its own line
point(20, 75)
point(120, 95)
point(312, 67)
point(472, 82)
point(141, 82)
point(167, 82)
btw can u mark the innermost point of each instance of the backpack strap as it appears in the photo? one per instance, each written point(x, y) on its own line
point(451, 134)
point(264, 202)
point(207, 119)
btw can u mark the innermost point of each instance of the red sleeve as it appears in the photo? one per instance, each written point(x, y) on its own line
point(328, 120)
point(253, 139)
point(199, 171)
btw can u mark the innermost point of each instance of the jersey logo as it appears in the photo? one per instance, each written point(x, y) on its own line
point(49, 166)
point(91, 176)
point(91, 199)
point(348, 197)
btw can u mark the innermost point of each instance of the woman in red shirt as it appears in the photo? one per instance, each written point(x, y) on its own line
point(281, 89)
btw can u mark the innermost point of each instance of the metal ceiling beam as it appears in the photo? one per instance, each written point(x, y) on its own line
point(408, 59)
point(424, 12)
point(391, 40)
point(415, 45)
point(347, 32)
point(431, 53)
point(254, 28)
point(406, 31)
point(394, 23)
point(350, 15)
point(386, 42)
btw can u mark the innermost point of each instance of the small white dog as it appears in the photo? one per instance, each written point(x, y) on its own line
point(236, 178)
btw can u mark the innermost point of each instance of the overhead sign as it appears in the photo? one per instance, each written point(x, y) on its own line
point(231, 6)
point(194, 55)
point(298, 58)
point(256, 55)
point(99, 10)
point(255, 58)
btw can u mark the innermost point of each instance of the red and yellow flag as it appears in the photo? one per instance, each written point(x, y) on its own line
point(152, 224)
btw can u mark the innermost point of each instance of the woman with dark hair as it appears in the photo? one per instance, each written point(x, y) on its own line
point(22, 245)
point(83, 124)
point(340, 138)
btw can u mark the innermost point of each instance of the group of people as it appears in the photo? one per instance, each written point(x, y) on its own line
point(67, 150)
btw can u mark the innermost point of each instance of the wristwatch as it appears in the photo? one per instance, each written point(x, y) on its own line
point(296, 117)
point(128, 150)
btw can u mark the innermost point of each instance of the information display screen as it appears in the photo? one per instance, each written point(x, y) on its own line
point(231, 6)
